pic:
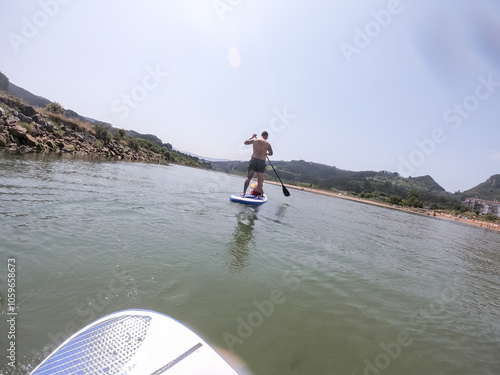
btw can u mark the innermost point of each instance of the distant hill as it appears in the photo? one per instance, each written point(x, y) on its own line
point(150, 137)
point(4, 82)
point(209, 159)
point(365, 183)
point(27, 97)
point(326, 176)
point(425, 183)
point(488, 190)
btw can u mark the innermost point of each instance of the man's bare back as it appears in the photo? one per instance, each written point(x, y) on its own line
point(261, 147)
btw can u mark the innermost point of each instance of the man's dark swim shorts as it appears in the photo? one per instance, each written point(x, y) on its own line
point(257, 165)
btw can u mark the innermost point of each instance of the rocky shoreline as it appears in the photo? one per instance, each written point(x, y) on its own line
point(25, 129)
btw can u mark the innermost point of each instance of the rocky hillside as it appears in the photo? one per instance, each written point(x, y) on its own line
point(28, 129)
point(488, 190)
point(33, 124)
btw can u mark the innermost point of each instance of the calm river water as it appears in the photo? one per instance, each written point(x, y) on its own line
point(305, 284)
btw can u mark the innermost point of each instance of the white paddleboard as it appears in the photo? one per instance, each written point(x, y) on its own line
point(250, 199)
point(135, 342)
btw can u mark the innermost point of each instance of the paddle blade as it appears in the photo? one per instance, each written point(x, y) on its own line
point(285, 191)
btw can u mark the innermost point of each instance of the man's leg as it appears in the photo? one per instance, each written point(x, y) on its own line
point(260, 183)
point(247, 181)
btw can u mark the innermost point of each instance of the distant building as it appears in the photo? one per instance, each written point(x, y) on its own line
point(484, 207)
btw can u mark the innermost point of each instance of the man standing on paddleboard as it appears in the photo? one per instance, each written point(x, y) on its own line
point(261, 149)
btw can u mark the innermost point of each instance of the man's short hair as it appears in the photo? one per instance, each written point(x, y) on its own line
point(264, 134)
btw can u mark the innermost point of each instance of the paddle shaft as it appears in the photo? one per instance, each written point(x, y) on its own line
point(285, 190)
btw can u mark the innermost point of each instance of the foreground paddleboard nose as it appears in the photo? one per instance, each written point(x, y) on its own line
point(135, 342)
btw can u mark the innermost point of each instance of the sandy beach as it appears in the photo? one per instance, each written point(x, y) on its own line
point(419, 211)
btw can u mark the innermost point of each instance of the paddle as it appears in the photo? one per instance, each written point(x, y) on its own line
point(285, 190)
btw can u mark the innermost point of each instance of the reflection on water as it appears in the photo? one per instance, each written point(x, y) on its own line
point(239, 247)
point(281, 211)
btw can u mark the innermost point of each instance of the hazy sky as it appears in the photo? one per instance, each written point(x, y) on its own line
point(405, 86)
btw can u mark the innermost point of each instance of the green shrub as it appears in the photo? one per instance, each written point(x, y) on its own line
point(395, 199)
point(7, 112)
point(119, 134)
point(413, 199)
point(58, 132)
point(491, 218)
point(133, 143)
point(55, 107)
point(27, 126)
point(102, 132)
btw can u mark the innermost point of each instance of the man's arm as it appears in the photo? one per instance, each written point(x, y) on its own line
point(269, 150)
point(250, 140)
